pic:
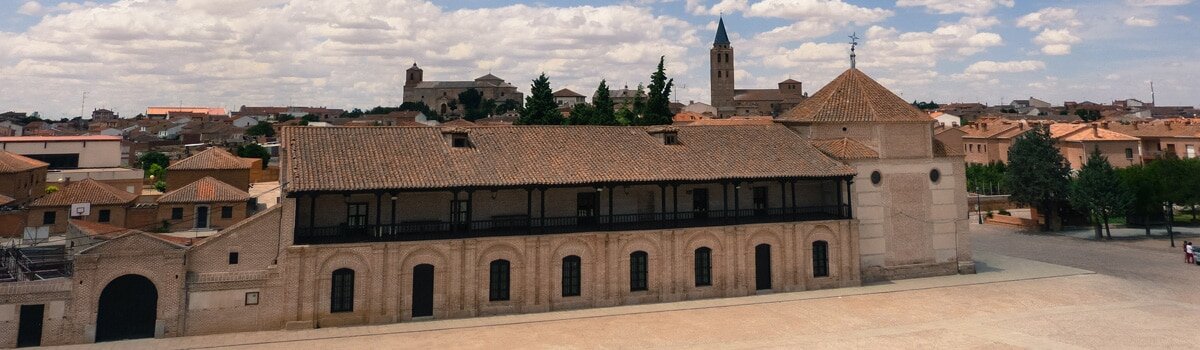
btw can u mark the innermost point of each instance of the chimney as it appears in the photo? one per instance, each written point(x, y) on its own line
point(984, 125)
point(1168, 125)
point(1095, 130)
point(1104, 124)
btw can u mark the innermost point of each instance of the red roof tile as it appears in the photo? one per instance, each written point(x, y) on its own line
point(15, 163)
point(212, 158)
point(205, 190)
point(845, 148)
point(85, 191)
point(347, 158)
point(854, 97)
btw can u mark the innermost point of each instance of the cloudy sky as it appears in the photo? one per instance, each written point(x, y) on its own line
point(130, 54)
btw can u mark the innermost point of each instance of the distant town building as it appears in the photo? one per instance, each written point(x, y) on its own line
point(568, 98)
point(730, 101)
point(165, 112)
point(104, 114)
point(442, 96)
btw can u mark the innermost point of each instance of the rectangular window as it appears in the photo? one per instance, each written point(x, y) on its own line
point(49, 217)
point(176, 213)
point(233, 258)
point(251, 298)
point(356, 214)
point(1128, 153)
point(571, 276)
point(105, 215)
point(1191, 151)
point(499, 282)
point(458, 211)
point(703, 267)
point(341, 297)
point(638, 271)
point(226, 212)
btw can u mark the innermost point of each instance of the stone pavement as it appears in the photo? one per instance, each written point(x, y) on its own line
point(913, 305)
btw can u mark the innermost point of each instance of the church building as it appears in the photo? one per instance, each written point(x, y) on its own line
point(442, 96)
point(731, 101)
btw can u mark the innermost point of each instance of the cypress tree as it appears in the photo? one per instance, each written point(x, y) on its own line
point(1038, 174)
point(540, 108)
point(602, 107)
point(1098, 191)
point(658, 104)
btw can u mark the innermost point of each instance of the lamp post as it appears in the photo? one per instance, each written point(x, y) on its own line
point(978, 208)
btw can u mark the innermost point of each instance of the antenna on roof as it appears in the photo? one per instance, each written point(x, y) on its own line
point(853, 44)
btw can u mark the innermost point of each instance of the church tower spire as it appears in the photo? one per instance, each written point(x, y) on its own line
point(721, 72)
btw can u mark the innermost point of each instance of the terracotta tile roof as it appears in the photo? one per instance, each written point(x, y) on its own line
point(212, 158)
point(205, 190)
point(85, 191)
point(5, 200)
point(1086, 132)
point(1161, 129)
point(845, 148)
point(343, 158)
point(854, 97)
point(747, 120)
point(940, 150)
point(98, 230)
point(459, 122)
point(15, 163)
point(566, 93)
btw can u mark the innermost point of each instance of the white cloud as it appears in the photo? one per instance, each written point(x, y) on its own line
point(697, 7)
point(1050, 17)
point(1183, 18)
point(968, 7)
point(30, 8)
point(1135, 21)
point(835, 11)
point(1055, 24)
point(990, 67)
point(137, 53)
point(1147, 3)
point(1056, 42)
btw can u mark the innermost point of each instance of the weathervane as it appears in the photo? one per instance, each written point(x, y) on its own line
point(853, 44)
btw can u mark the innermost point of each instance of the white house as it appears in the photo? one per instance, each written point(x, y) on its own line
point(245, 122)
point(946, 119)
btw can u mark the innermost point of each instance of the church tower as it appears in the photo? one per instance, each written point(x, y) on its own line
point(414, 76)
point(720, 59)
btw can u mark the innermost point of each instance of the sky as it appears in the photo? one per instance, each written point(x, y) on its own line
point(127, 55)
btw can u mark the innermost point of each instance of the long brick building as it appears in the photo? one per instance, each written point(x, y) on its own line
point(396, 224)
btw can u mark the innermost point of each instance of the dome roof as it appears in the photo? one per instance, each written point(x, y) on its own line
point(854, 97)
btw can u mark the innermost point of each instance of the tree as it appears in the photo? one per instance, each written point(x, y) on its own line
point(1145, 190)
point(987, 178)
point(472, 101)
point(1038, 173)
point(261, 129)
point(1088, 115)
point(658, 100)
point(151, 158)
point(602, 106)
point(283, 117)
point(155, 172)
point(582, 114)
point(310, 118)
point(1177, 185)
point(540, 108)
point(1098, 191)
point(637, 108)
point(255, 150)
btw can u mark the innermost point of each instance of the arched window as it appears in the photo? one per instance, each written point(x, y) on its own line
point(703, 266)
point(498, 289)
point(341, 296)
point(571, 276)
point(638, 271)
point(820, 255)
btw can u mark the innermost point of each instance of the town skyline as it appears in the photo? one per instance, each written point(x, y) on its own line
point(126, 56)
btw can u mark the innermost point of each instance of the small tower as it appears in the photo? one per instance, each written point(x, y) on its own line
point(415, 75)
point(721, 72)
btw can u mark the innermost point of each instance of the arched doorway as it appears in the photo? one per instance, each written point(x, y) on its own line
point(762, 266)
point(127, 310)
point(422, 290)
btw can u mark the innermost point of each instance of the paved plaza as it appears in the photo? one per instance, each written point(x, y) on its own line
point(1032, 291)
